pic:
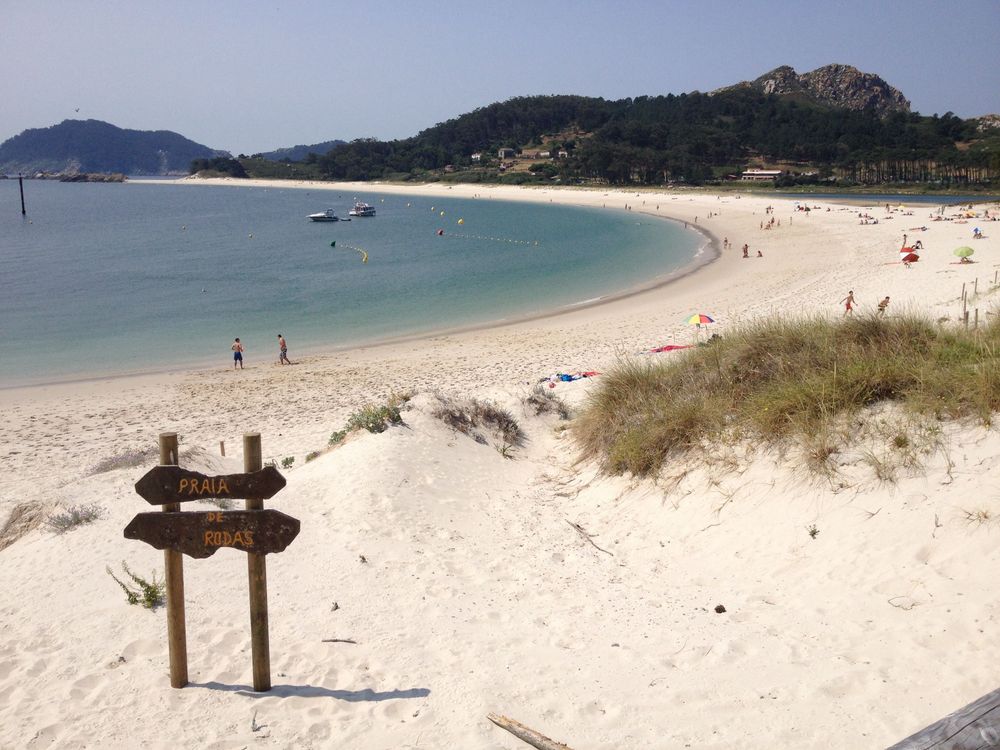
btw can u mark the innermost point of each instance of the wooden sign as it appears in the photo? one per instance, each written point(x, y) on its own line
point(255, 531)
point(172, 484)
point(200, 534)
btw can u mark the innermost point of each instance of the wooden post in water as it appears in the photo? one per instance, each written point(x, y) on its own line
point(20, 182)
point(174, 564)
point(257, 572)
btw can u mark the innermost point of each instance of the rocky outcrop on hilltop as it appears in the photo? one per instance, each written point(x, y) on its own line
point(833, 85)
point(987, 122)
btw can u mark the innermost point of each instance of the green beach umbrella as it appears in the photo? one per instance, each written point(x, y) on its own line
point(964, 252)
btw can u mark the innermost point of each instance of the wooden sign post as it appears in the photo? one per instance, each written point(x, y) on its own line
point(255, 531)
point(260, 648)
point(173, 565)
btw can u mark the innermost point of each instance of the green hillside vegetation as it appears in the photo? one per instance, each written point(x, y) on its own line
point(94, 146)
point(690, 138)
point(298, 153)
point(219, 166)
point(804, 381)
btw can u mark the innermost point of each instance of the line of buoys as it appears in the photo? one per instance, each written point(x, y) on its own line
point(364, 254)
point(510, 240)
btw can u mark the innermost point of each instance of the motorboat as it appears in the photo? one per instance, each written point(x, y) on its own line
point(327, 215)
point(362, 209)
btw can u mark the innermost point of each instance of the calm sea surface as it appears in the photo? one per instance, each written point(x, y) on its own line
point(120, 278)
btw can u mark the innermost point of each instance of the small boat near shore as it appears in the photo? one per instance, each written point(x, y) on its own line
point(362, 209)
point(328, 215)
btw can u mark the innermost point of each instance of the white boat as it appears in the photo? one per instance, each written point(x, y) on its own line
point(327, 215)
point(362, 209)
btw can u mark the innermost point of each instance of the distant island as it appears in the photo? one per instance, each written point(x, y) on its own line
point(93, 147)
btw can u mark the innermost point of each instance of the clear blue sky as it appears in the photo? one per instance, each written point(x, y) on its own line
point(255, 75)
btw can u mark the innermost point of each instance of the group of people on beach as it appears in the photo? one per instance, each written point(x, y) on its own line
point(849, 302)
point(238, 350)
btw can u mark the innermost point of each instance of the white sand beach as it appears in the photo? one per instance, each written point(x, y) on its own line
point(457, 571)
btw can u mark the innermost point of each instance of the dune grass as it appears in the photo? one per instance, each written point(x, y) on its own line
point(780, 380)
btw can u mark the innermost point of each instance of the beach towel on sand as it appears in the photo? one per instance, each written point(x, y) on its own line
point(667, 348)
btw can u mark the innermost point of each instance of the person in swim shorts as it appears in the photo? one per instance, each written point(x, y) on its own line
point(848, 303)
point(237, 353)
point(283, 351)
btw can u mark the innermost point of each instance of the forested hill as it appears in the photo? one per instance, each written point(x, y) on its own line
point(833, 124)
point(75, 146)
point(300, 153)
point(689, 138)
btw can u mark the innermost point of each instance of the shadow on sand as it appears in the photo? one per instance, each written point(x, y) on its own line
point(310, 691)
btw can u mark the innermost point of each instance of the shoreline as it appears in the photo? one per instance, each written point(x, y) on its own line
point(709, 252)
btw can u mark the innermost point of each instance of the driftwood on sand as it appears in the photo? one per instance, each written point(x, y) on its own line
point(526, 734)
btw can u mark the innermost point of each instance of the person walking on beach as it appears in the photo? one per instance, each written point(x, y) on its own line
point(848, 303)
point(283, 353)
point(881, 307)
point(237, 353)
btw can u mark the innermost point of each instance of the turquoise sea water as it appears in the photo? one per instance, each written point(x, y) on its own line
point(118, 278)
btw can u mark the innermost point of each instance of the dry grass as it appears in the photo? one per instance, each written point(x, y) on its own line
point(798, 380)
point(73, 516)
point(23, 518)
point(473, 417)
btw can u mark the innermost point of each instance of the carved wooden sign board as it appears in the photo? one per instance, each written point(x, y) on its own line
point(200, 534)
point(172, 484)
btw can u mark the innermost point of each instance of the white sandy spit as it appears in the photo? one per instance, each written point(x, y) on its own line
point(477, 594)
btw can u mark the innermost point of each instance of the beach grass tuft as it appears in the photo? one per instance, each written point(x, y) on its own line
point(126, 459)
point(774, 381)
point(75, 515)
point(543, 401)
point(472, 416)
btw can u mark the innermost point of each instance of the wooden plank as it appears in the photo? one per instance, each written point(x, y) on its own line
point(172, 484)
point(973, 727)
point(200, 534)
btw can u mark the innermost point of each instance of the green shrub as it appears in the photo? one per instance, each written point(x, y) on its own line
point(287, 461)
point(150, 594)
point(312, 455)
point(377, 419)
